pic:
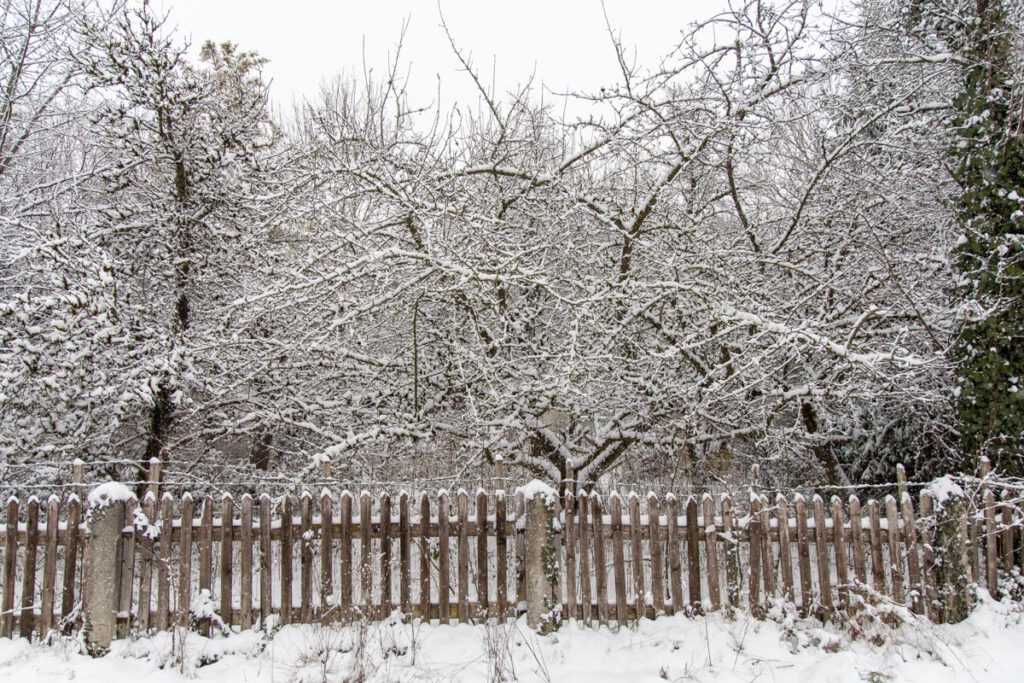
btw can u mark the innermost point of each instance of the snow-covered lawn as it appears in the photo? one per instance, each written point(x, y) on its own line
point(989, 646)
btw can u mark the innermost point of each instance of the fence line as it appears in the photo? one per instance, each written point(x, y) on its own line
point(461, 557)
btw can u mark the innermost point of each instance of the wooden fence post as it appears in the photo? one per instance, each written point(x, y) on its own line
point(543, 597)
point(104, 545)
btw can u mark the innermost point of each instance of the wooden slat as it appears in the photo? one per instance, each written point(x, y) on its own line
point(803, 551)
point(10, 569)
point(657, 557)
point(147, 558)
point(675, 569)
point(520, 540)
point(693, 555)
point(345, 542)
point(913, 553)
point(462, 534)
point(857, 542)
point(755, 567)
point(424, 604)
point(618, 557)
point(895, 556)
point(306, 557)
point(600, 575)
point(245, 564)
point(444, 556)
point(365, 554)
point(636, 557)
point(569, 525)
point(227, 560)
point(266, 555)
point(327, 600)
point(501, 550)
point(839, 544)
point(767, 554)
point(974, 547)
point(785, 549)
point(821, 549)
point(991, 552)
point(875, 537)
point(731, 547)
point(1006, 535)
point(287, 566)
point(482, 573)
point(205, 555)
point(127, 577)
point(404, 555)
point(386, 595)
point(711, 551)
point(49, 566)
point(28, 583)
point(583, 524)
point(163, 567)
point(928, 568)
point(184, 597)
point(71, 555)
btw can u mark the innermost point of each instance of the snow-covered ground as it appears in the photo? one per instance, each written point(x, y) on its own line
point(989, 646)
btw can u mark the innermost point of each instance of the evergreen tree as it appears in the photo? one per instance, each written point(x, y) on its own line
point(988, 157)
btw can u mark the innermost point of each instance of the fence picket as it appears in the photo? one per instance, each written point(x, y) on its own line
point(657, 559)
point(913, 558)
point(821, 549)
point(163, 568)
point(266, 554)
point(754, 532)
point(693, 555)
point(404, 554)
point(245, 566)
point(785, 557)
point(386, 593)
point(857, 543)
point(501, 549)
point(205, 555)
point(895, 556)
point(569, 524)
point(583, 505)
point(444, 556)
point(227, 560)
point(424, 604)
point(10, 569)
point(732, 556)
point(482, 529)
point(306, 557)
point(600, 575)
point(71, 554)
point(711, 550)
point(365, 554)
point(345, 553)
point(803, 554)
point(462, 536)
point(674, 561)
point(49, 566)
point(327, 597)
point(991, 561)
point(287, 566)
point(618, 557)
point(839, 545)
point(877, 567)
point(28, 576)
point(636, 557)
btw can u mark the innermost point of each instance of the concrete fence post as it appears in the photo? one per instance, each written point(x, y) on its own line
point(952, 567)
point(104, 546)
point(543, 531)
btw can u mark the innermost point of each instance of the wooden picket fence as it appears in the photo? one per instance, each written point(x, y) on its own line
point(302, 559)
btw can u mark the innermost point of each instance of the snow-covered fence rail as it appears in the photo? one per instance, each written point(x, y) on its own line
point(226, 562)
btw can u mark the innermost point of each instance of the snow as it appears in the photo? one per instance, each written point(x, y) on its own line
point(108, 493)
point(537, 488)
point(781, 649)
point(943, 488)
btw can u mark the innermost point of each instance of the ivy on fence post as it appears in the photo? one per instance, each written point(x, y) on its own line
point(951, 566)
point(543, 593)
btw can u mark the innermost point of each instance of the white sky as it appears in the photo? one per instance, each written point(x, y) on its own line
point(564, 41)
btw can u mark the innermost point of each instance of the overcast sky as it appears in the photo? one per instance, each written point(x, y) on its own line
point(564, 41)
